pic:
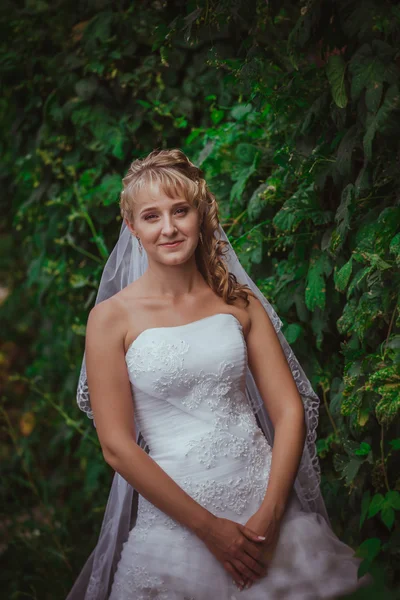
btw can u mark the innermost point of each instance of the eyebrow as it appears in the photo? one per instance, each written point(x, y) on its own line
point(156, 207)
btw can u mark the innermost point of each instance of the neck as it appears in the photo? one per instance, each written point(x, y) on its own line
point(174, 282)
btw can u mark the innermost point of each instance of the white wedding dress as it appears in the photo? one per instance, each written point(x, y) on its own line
point(188, 385)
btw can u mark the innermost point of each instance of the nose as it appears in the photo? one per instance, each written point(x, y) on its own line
point(168, 227)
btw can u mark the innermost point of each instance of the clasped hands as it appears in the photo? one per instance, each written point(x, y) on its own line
point(238, 547)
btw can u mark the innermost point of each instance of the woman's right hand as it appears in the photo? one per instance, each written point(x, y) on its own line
point(237, 547)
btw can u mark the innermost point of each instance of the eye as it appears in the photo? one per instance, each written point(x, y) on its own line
point(148, 218)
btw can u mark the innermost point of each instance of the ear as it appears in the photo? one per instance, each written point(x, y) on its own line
point(129, 226)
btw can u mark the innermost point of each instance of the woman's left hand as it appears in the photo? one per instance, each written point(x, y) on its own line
point(270, 528)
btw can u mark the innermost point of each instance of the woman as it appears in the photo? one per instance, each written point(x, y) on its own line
point(204, 413)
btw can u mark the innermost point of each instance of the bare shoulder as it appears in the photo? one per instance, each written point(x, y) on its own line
point(110, 317)
point(258, 316)
point(244, 313)
point(105, 320)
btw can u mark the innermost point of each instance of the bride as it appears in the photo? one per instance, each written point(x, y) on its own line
point(204, 413)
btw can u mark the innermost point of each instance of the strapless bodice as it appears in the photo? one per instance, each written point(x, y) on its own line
point(190, 378)
point(190, 404)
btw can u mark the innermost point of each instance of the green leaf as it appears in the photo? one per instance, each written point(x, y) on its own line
point(364, 568)
point(335, 70)
point(350, 446)
point(387, 516)
point(86, 88)
point(357, 279)
point(395, 444)
point(242, 176)
point(259, 200)
point(217, 115)
point(293, 332)
point(373, 96)
point(351, 469)
point(144, 103)
point(368, 139)
point(394, 247)
point(390, 103)
point(315, 293)
point(245, 153)
point(363, 180)
point(364, 449)
point(376, 505)
point(99, 27)
point(345, 323)
point(110, 189)
point(240, 111)
point(341, 278)
point(366, 69)
point(345, 210)
point(369, 548)
point(393, 499)
point(117, 142)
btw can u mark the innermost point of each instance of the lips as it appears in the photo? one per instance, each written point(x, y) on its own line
point(176, 243)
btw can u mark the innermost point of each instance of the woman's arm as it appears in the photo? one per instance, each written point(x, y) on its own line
point(111, 401)
point(283, 402)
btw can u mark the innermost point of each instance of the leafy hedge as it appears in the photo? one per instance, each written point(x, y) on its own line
point(292, 111)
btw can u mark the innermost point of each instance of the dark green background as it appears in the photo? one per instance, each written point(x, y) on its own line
point(292, 111)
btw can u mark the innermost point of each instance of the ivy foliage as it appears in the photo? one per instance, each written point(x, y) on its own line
point(292, 111)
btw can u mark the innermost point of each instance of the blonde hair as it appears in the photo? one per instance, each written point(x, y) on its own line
point(178, 176)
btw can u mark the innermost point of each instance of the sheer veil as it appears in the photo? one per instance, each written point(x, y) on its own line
point(126, 264)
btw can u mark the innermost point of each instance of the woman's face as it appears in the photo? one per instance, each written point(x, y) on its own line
point(159, 219)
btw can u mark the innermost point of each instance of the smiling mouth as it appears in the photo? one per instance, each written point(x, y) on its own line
point(172, 243)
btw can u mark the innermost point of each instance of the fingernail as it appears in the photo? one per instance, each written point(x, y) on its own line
point(261, 537)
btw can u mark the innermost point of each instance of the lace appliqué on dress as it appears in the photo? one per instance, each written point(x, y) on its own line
point(146, 587)
point(149, 515)
point(237, 492)
point(220, 389)
point(234, 494)
point(162, 356)
point(218, 442)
